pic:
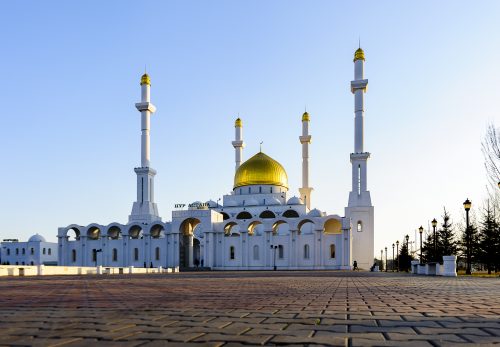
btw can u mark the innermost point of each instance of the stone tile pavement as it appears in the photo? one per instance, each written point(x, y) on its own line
point(250, 308)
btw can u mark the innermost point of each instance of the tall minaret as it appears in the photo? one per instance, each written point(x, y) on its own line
point(305, 140)
point(145, 209)
point(238, 143)
point(359, 208)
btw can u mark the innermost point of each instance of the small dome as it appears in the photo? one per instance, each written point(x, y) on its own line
point(145, 79)
point(37, 238)
point(251, 202)
point(272, 202)
point(230, 203)
point(294, 201)
point(260, 169)
point(315, 213)
point(305, 117)
point(359, 54)
point(238, 123)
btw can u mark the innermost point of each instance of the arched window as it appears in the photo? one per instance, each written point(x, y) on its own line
point(256, 252)
point(115, 254)
point(24, 250)
point(73, 255)
point(43, 251)
point(290, 214)
point(50, 251)
point(332, 251)
point(17, 251)
point(32, 251)
point(280, 252)
point(8, 251)
point(267, 214)
point(360, 227)
point(231, 252)
point(136, 253)
point(244, 215)
point(157, 253)
point(32, 263)
point(306, 251)
point(94, 254)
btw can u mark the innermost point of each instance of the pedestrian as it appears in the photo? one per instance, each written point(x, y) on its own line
point(355, 266)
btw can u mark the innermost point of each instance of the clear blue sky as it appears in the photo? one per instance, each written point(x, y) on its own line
point(70, 77)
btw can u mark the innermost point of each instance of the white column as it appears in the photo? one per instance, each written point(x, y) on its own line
point(238, 143)
point(305, 140)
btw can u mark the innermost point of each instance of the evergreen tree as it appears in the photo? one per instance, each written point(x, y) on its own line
point(428, 249)
point(489, 240)
point(462, 242)
point(404, 258)
point(446, 242)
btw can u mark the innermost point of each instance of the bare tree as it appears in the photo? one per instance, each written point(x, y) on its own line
point(490, 147)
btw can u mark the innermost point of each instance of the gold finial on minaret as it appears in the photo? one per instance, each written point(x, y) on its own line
point(145, 79)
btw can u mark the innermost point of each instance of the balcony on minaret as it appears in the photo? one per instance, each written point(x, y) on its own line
point(145, 106)
point(359, 84)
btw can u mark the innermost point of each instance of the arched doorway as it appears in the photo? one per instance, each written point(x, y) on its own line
point(186, 242)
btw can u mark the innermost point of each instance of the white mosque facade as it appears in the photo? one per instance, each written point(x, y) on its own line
point(258, 226)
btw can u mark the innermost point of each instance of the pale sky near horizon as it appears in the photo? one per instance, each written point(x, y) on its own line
point(71, 134)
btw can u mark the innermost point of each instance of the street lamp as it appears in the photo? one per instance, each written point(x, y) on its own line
point(393, 257)
point(385, 259)
point(274, 256)
point(397, 254)
point(421, 230)
point(434, 224)
point(407, 238)
point(467, 206)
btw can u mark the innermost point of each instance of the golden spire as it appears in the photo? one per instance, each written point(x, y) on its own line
point(359, 54)
point(238, 123)
point(305, 117)
point(145, 79)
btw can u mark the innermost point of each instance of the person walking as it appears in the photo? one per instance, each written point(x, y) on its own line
point(355, 266)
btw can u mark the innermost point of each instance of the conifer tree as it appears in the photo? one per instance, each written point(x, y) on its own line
point(489, 240)
point(446, 242)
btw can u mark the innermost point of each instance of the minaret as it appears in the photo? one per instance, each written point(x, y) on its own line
point(359, 195)
point(145, 209)
point(305, 140)
point(238, 143)
point(360, 209)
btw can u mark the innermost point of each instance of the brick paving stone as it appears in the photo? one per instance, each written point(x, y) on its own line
point(250, 308)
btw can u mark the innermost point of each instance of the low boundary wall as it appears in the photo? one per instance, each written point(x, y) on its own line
point(42, 270)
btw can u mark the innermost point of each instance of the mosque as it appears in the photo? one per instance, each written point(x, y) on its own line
point(258, 226)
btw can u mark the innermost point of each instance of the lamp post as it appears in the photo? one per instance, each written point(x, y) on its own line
point(434, 224)
point(381, 259)
point(421, 230)
point(385, 259)
point(407, 238)
point(397, 255)
point(467, 206)
point(274, 256)
point(393, 257)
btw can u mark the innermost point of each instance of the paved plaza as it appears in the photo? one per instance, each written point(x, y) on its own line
point(251, 308)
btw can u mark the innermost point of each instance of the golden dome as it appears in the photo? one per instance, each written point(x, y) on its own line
point(359, 54)
point(145, 79)
point(305, 117)
point(260, 169)
point(238, 123)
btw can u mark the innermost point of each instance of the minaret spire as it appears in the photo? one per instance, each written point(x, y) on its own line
point(144, 209)
point(305, 140)
point(238, 143)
